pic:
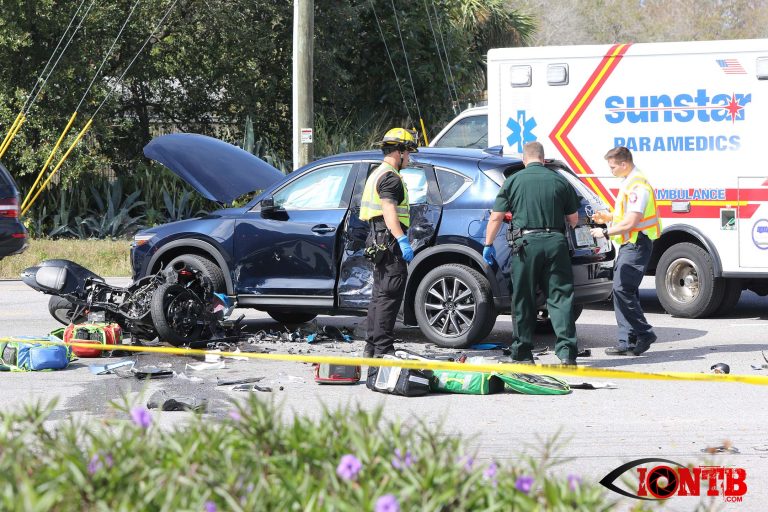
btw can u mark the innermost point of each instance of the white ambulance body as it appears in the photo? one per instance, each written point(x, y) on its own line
point(693, 114)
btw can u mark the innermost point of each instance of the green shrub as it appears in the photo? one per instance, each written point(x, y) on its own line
point(252, 459)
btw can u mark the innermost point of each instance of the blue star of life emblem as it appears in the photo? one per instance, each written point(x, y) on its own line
point(522, 131)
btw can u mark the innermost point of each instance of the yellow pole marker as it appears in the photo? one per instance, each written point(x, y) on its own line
point(50, 158)
point(12, 133)
point(579, 371)
point(58, 165)
point(10, 130)
point(424, 131)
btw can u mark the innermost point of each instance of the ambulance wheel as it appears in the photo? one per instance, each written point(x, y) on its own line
point(62, 310)
point(544, 324)
point(291, 318)
point(177, 314)
point(686, 284)
point(733, 288)
point(454, 306)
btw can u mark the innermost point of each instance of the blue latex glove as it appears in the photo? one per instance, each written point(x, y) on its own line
point(489, 254)
point(405, 248)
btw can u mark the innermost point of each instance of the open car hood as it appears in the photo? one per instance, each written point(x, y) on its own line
point(219, 171)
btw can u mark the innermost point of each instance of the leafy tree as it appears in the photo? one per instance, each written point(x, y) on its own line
point(214, 63)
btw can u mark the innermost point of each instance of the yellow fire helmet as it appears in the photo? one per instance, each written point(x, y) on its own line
point(404, 140)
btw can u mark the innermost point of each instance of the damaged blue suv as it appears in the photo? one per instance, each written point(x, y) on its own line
point(296, 249)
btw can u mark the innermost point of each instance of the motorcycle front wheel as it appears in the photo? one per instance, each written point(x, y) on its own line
point(177, 314)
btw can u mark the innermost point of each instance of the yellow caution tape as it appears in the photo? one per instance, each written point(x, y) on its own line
point(568, 371)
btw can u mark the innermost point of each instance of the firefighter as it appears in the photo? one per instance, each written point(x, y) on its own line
point(634, 225)
point(541, 202)
point(384, 205)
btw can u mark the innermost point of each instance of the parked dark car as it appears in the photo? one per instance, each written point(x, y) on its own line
point(296, 249)
point(13, 234)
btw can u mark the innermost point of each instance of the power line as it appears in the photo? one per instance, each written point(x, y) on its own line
point(405, 55)
point(34, 98)
point(55, 50)
point(445, 50)
point(106, 56)
point(391, 63)
point(151, 35)
point(440, 56)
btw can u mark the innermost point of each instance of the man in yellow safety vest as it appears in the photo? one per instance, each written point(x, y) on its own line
point(634, 225)
point(384, 205)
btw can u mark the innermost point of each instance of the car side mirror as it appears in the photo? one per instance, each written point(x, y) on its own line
point(267, 206)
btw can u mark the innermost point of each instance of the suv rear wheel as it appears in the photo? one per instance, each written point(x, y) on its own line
point(454, 306)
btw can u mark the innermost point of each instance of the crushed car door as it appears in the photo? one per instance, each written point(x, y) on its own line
point(355, 275)
point(287, 253)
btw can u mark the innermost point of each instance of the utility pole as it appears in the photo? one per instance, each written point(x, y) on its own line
point(303, 101)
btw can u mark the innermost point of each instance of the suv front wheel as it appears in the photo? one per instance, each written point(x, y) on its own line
point(454, 306)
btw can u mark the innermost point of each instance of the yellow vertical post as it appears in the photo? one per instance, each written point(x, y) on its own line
point(12, 132)
point(424, 131)
point(58, 165)
point(50, 158)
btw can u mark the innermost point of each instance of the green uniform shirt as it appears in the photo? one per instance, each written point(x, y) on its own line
point(537, 197)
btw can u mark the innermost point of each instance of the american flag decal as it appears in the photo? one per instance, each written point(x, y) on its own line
point(731, 67)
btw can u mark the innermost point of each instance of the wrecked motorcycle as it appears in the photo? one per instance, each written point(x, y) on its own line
point(177, 304)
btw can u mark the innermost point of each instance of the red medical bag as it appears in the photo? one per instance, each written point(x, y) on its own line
point(105, 334)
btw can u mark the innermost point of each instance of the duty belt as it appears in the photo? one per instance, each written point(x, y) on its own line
point(542, 230)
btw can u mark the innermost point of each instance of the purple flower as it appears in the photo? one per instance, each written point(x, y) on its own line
point(98, 461)
point(141, 416)
point(400, 461)
point(573, 482)
point(210, 506)
point(387, 503)
point(524, 484)
point(490, 472)
point(234, 414)
point(349, 467)
point(467, 462)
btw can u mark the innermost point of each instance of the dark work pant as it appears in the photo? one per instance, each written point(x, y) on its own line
point(543, 263)
point(627, 275)
point(389, 278)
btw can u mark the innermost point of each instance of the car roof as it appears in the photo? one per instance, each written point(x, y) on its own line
point(445, 156)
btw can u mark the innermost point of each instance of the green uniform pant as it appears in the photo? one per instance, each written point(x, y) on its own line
point(544, 263)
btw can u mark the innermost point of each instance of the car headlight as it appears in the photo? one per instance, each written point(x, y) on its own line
point(139, 240)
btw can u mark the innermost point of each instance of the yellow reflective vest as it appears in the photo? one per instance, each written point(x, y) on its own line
point(370, 203)
point(649, 224)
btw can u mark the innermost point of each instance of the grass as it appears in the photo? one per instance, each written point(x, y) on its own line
point(251, 458)
point(107, 258)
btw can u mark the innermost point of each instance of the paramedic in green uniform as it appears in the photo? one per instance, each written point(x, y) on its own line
point(541, 202)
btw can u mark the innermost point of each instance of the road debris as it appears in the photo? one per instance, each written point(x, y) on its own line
point(726, 447)
point(232, 382)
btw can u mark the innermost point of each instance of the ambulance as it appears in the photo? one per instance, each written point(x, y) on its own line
point(693, 115)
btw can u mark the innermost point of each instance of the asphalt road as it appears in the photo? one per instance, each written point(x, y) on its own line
point(596, 430)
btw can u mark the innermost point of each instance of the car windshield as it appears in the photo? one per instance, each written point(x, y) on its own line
point(470, 132)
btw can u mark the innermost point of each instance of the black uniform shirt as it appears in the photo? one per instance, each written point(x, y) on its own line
point(390, 186)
